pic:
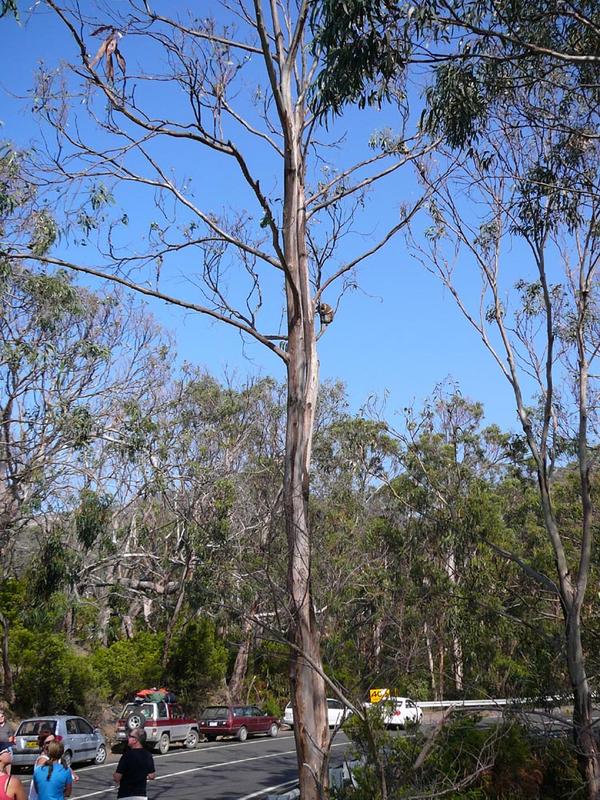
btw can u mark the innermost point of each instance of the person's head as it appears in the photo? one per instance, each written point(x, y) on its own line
point(55, 750)
point(5, 756)
point(45, 738)
point(2, 717)
point(136, 738)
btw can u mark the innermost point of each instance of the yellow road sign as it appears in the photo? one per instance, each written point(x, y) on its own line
point(376, 695)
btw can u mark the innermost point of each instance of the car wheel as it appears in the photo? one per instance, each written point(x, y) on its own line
point(273, 730)
point(163, 744)
point(135, 720)
point(242, 734)
point(67, 758)
point(100, 755)
point(191, 740)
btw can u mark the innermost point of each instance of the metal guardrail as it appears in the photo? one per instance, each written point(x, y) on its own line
point(491, 703)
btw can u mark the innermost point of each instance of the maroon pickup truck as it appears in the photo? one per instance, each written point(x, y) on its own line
point(163, 722)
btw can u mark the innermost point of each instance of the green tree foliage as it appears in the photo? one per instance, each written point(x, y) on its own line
point(55, 567)
point(92, 517)
point(128, 665)
point(477, 53)
point(49, 675)
point(469, 759)
point(197, 663)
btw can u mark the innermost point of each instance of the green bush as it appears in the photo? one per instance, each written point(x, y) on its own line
point(49, 675)
point(562, 777)
point(197, 663)
point(128, 665)
point(484, 762)
point(269, 679)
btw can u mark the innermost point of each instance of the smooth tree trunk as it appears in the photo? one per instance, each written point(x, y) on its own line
point(456, 644)
point(586, 745)
point(307, 685)
point(8, 689)
point(431, 662)
point(240, 668)
point(170, 631)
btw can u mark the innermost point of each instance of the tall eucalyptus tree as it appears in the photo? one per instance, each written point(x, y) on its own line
point(232, 88)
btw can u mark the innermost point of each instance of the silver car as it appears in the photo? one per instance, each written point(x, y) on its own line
point(82, 742)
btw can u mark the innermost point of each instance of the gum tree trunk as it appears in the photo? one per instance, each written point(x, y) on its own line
point(240, 667)
point(307, 685)
point(8, 689)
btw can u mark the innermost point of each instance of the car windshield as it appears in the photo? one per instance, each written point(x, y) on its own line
point(214, 712)
point(33, 727)
point(136, 708)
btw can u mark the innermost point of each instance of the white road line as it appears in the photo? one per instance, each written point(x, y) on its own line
point(208, 766)
point(157, 756)
point(268, 789)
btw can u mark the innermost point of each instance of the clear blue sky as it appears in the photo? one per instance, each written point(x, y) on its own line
point(399, 334)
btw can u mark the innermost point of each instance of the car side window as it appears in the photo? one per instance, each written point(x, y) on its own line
point(84, 727)
point(239, 711)
point(71, 726)
point(410, 704)
point(162, 710)
point(334, 704)
point(255, 712)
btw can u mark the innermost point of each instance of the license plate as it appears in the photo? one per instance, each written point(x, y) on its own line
point(31, 744)
point(212, 724)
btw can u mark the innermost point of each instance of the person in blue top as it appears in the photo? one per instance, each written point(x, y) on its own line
point(52, 780)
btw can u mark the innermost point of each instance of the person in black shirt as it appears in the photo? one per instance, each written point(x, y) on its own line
point(135, 767)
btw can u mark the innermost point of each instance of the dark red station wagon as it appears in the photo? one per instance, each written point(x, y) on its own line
point(239, 721)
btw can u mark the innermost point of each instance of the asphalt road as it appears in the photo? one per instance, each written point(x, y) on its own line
point(222, 770)
point(232, 770)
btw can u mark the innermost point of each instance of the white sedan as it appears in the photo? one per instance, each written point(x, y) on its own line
point(397, 712)
point(336, 713)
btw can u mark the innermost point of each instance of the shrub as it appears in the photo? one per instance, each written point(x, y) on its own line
point(469, 761)
point(562, 777)
point(49, 675)
point(128, 665)
point(197, 663)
